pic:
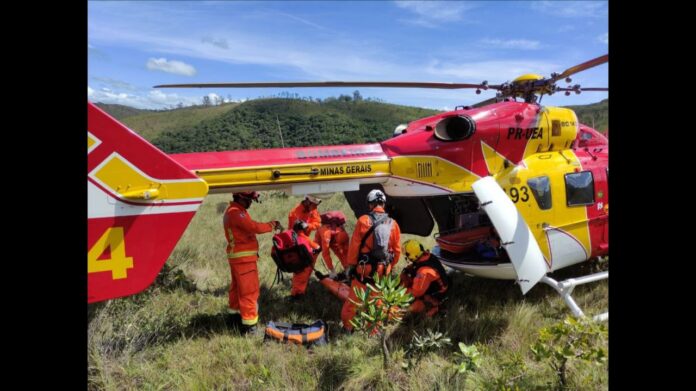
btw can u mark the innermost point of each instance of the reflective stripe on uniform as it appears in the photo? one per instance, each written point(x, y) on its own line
point(232, 311)
point(250, 322)
point(241, 254)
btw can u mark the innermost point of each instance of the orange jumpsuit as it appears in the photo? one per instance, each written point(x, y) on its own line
point(313, 220)
point(242, 254)
point(361, 227)
point(336, 239)
point(419, 285)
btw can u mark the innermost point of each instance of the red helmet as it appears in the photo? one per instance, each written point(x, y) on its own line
point(249, 195)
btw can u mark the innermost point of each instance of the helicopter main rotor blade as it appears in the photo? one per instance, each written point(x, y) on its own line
point(397, 84)
point(581, 67)
point(582, 89)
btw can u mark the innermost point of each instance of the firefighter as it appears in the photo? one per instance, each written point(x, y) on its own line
point(371, 250)
point(307, 212)
point(333, 236)
point(242, 255)
point(425, 278)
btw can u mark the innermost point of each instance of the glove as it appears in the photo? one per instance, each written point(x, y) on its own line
point(276, 225)
point(332, 275)
point(317, 250)
point(300, 225)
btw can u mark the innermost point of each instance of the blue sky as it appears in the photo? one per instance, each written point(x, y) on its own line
point(134, 46)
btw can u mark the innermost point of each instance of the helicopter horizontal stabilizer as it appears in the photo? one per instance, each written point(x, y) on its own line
point(139, 202)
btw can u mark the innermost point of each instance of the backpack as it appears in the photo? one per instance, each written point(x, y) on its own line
point(300, 334)
point(290, 252)
point(381, 228)
point(334, 217)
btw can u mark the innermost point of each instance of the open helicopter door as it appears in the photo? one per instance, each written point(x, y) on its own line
point(515, 235)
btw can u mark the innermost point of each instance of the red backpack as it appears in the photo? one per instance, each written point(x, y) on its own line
point(334, 217)
point(290, 252)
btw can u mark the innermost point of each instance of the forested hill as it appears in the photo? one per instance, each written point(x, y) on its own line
point(596, 112)
point(255, 124)
point(120, 112)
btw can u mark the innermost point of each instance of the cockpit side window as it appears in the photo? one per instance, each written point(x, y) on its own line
point(541, 188)
point(579, 188)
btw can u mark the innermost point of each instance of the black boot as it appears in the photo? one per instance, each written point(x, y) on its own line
point(320, 275)
point(248, 329)
point(233, 321)
point(296, 298)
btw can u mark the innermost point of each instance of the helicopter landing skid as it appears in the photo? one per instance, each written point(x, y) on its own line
point(565, 289)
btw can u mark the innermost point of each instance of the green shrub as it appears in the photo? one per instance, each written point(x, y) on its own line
point(580, 339)
point(379, 306)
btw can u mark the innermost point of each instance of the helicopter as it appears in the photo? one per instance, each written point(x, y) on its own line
point(528, 178)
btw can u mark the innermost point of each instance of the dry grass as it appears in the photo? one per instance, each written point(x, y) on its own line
point(173, 335)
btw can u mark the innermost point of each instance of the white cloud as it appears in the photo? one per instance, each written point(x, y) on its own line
point(114, 83)
point(154, 99)
point(494, 71)
point(170, 66)
point(303, 21)
point(604, 38)
point(522, 44)
point(435, 11)
point(220, 42)
point(573, 9)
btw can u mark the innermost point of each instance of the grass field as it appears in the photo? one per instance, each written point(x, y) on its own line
point(173, 335)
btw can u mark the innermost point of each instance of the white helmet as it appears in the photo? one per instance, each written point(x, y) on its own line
point(312, 199)
point(376, 195)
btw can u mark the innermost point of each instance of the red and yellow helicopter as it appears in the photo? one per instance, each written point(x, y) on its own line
point(530, 176)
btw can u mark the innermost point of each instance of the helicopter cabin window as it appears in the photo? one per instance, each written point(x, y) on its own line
point(541, 188)
point(579, 188)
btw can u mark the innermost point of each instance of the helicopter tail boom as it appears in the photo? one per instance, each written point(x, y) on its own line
point(308, 170)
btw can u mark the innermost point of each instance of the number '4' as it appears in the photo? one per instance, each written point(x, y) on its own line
point(118, 262)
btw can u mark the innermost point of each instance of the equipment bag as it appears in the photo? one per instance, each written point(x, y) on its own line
point(300, 334)
point(290, 253)
point(334, 217)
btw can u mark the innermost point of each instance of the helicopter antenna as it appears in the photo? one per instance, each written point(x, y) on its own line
point(280, 131)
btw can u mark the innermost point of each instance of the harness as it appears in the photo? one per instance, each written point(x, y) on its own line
point(365, 259)
point(438, 288)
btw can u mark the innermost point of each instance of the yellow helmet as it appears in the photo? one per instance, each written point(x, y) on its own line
point(412, 249)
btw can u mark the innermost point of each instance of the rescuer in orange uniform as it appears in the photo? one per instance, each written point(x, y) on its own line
point(306, 211)
point(242, 254)
point(332, 236)
point(425, 278)
point(372, 250)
